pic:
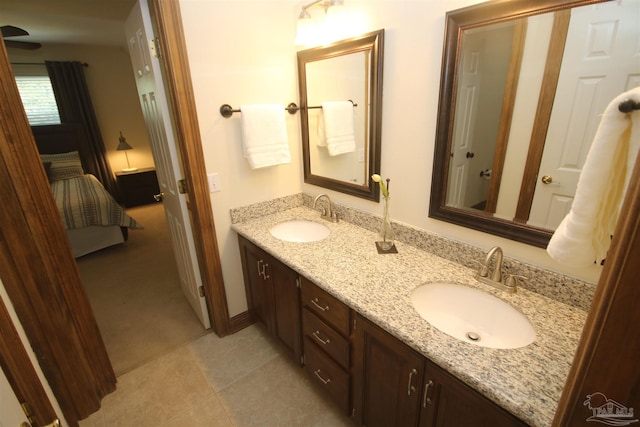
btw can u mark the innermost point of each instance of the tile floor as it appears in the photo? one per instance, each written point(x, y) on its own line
point(239, 380)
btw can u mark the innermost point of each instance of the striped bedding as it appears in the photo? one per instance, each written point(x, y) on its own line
point(83, 201)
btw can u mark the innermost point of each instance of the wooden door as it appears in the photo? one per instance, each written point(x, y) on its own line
point(387, 378)
point(19, 381)
point(155, 109)
point(600, 61)
point(41, 276)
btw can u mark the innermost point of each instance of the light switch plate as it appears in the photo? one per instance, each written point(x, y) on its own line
point(214, 182)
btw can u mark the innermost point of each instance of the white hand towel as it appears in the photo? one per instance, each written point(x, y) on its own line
point(264, 135)
point(336, 121)
point(584, 235)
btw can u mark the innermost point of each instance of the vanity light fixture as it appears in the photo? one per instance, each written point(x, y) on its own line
point(310, 30)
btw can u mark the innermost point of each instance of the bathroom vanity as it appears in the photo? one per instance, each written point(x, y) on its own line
point(344, 313)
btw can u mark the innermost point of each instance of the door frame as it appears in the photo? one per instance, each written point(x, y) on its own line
point(167, 21)
point(15, 361)
point(606, 360)
point(40, 275)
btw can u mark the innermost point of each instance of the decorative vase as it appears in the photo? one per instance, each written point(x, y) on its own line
point(386, 236)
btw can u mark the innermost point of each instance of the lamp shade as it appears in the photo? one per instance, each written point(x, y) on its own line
point(123, 144)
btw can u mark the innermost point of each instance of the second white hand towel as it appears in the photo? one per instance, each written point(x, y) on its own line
point(338, 127)
point(264, 135)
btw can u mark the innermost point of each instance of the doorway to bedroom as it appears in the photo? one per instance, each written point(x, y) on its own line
point(135, 294)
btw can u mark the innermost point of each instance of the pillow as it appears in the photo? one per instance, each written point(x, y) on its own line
point(63, 165)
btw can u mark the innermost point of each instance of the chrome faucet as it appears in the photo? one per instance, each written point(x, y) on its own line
point(495, 278)
point(327, 213)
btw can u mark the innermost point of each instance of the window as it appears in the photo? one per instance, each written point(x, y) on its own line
point(37, 94)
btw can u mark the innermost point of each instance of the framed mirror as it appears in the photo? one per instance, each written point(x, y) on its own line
point(341, 113)
point(523, 83)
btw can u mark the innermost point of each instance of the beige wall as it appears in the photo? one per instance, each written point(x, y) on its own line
point(243, 52)
point(113, 93)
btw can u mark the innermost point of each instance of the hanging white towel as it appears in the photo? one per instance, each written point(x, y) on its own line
point(264, 135)
point(335, 127)
point(584, 235)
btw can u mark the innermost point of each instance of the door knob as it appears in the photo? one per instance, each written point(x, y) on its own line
point(158, 197)
point(547, 179)
point(470, 155)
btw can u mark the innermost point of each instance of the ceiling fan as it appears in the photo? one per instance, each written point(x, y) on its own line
point(11, 31)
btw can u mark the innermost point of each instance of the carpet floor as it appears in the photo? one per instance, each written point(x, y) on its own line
point(135, 294)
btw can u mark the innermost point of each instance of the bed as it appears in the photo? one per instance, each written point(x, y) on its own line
point(91, 216)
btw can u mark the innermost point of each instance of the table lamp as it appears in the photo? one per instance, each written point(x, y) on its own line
point(124, 146)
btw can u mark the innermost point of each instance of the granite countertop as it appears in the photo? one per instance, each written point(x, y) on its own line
point(526, 381)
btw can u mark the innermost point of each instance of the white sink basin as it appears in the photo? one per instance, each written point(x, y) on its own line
point(301, 231)
point(473, 316)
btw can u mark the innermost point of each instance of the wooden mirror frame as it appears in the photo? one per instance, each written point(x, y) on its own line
point(455, 23)
point(373, 42)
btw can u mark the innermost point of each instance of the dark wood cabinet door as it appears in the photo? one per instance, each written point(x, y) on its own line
point(259, 296)
point(286, 300)
point(273, 296)
point(448, 402)
point(387, 378)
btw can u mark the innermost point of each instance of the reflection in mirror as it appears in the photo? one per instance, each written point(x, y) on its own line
point(340, 112)
point(521, 93)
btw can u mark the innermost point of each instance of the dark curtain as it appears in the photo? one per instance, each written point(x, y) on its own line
point(74, 103)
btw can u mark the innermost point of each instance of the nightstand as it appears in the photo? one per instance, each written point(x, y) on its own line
point(137, 187)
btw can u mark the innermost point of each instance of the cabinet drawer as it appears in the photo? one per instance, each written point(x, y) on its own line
point(326, 307)
point(326, 338)
point(326, 373)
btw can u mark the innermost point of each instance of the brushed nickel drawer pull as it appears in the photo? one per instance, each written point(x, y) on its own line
point(410, 387)
point(327, 381)
point(315, 302)
point(262, 269)
point(425, 400)
point(258, 263)
point(316, 335)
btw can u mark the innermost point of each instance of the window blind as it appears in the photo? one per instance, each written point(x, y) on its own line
point(37, 95)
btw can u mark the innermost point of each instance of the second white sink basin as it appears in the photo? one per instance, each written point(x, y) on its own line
point(301, 231)
point(471, 315)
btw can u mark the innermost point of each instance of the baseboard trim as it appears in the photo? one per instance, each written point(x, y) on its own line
point(239, 322)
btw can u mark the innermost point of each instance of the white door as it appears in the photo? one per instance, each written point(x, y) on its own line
point(156, 113)
point(600, 62)
point(464, 126)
